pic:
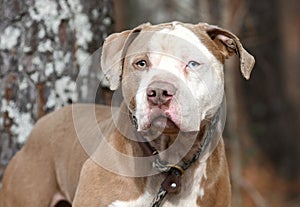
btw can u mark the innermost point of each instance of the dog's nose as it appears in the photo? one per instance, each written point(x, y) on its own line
point(160, 93)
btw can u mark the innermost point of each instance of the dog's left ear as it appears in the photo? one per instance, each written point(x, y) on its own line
point(230, 44)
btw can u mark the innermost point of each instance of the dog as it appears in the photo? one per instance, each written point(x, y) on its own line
point(163, 148)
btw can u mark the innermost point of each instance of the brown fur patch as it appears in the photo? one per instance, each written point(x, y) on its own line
point(200, 31)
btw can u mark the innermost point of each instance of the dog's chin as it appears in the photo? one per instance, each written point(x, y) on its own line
point(164, 125)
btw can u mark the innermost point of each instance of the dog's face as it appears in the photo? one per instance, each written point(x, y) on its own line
point(172, 74)
point(171, 78)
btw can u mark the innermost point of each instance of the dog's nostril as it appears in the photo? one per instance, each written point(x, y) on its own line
point(166, 93)
point(151, 93)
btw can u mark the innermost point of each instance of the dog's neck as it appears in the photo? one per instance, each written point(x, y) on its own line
point(190, 141)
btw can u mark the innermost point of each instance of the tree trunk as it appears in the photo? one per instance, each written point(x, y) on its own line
point(43, 46)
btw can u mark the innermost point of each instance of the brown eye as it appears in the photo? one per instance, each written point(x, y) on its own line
point(142, 64)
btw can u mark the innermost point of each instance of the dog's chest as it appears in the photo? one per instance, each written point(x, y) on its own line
point(188, 198)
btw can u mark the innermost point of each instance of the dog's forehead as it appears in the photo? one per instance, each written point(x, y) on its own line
point(168, 38)
point(178, 32)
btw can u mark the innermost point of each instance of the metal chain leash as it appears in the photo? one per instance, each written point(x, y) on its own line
point(159, 197)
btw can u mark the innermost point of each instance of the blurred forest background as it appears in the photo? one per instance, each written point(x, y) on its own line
point(44, 44)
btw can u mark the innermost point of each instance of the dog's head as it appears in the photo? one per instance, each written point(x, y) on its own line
point(172, 74)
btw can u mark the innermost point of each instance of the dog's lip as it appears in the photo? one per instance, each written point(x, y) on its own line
point(161, 119)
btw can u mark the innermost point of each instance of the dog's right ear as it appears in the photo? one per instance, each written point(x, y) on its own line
point(113, 53)
point(111, 58)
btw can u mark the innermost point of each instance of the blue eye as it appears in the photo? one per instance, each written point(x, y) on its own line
point(193, 64)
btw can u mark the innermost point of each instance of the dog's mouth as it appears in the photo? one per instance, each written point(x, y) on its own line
point(160, 120)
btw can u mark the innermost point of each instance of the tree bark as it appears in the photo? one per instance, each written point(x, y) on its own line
point(43, 46)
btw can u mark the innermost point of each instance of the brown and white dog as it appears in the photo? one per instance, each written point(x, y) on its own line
point(173, 85)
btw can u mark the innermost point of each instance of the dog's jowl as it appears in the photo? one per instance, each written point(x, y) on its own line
point(162, 147)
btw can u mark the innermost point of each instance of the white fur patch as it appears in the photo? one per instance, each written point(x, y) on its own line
point(187, 198)
point(201, 192)
point(141, 201)
point(187, 35)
